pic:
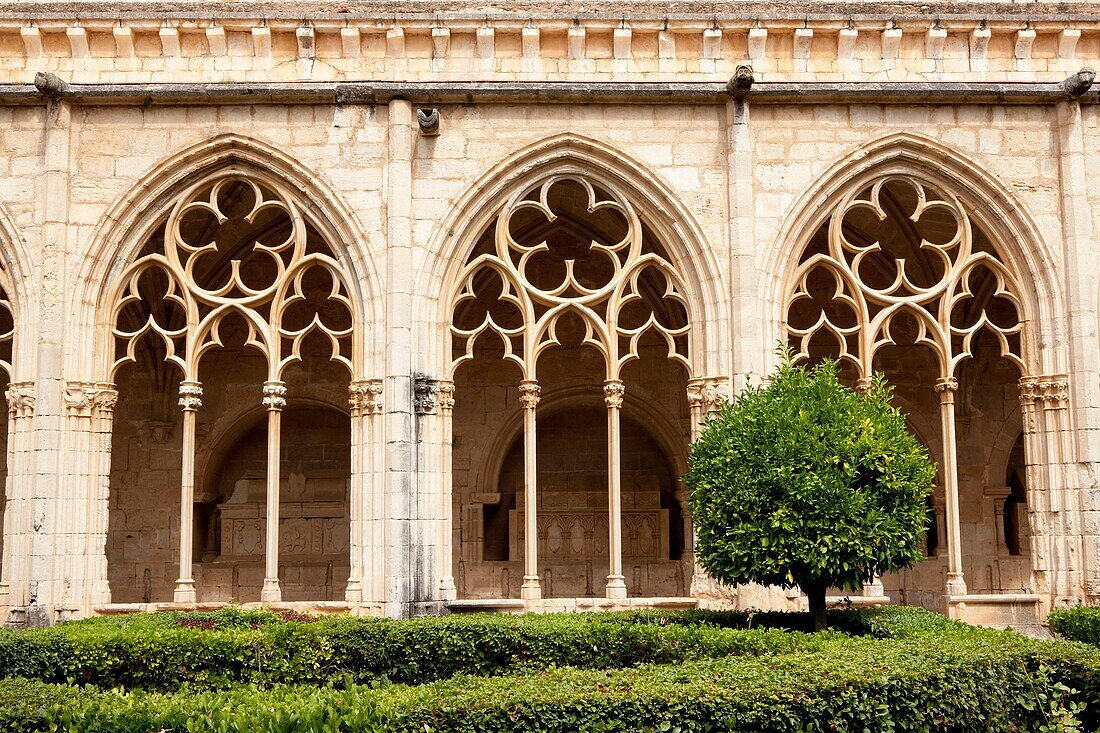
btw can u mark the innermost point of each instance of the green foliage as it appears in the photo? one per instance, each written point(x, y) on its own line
point(885, 669)
point(1080, 623)
point(946, 678)
point(217, 650)
point(806, 482)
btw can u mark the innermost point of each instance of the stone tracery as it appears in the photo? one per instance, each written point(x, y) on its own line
point(235, 256)
point(564, 251)
point(935, 305)
point(899, 264)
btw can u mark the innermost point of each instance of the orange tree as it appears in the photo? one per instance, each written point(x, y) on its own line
point(805, 482)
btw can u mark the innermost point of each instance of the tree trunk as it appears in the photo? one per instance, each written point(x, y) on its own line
point(816, 595)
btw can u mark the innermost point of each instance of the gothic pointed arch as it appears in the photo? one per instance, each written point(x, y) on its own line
point(227, 249)
point(124, 230)
point(989, 206)
point(576, 271)
point(908, 259)
point(654, 202)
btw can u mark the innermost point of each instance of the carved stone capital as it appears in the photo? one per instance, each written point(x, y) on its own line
point(274, 394)
point(529, 394)
point(863, 384)
point(161, 431)
point(1055, 391)
point(425, 390)
point(708, 393)
point(88, 399)
point(190, 395)
point(365, 397)
point(947, 384)
point(21, 398)
point(1029, 391)
point(1051, 391)
point(446, 397)
point(613, 392)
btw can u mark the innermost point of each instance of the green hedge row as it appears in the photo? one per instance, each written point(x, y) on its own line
point(163, 651)
point(964, 682)
point(1081, 623)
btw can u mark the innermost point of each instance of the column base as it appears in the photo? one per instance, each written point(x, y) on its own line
point(616, 587)
point(354, 591)
point(873, 589)
point(956, 585)
point(531, 590)
point(447, 589)
point(271, 592)
point(185, 591)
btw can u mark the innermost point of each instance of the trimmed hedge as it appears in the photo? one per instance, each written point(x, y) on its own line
point(972, 683)
point(1081, 623)
point(210, 651)
point(889, 669)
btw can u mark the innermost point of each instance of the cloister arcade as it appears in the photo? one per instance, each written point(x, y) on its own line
point(243, 426)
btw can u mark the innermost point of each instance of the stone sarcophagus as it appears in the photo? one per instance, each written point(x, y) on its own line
point(313, 546)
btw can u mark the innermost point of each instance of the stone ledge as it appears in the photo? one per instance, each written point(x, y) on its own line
point(566, 605)
point(314, 607)
point(147, 95)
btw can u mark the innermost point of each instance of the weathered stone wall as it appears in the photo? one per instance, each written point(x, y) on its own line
point(733, 186)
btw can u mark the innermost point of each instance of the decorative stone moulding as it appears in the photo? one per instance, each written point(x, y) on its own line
point(507, 46)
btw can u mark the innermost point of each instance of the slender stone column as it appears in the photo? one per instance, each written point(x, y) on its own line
point(872, 588)
point(956, 584)
point(402, 575)
point(1081, 446)
point(531, 590)
point(190, 401)
point(613, 391)
point(705, 396)
point(366, 545)
point(367, 509)
point(446, 402)
point(274, 400)
point(18, 517)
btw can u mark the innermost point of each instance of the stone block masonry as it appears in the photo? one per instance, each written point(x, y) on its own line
point(258, 317)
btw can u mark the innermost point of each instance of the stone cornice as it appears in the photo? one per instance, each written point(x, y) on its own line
point(636, 42)
point(809, 92)
point(594, 10)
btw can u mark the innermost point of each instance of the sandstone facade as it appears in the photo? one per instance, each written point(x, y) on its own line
point(279, 325)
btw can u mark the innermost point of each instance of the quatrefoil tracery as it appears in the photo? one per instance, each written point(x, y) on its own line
point(939, 308)
point(538, 309)
point(194, 308)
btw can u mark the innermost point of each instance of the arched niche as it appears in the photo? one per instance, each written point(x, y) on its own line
point(314, 501)
point(900, 276)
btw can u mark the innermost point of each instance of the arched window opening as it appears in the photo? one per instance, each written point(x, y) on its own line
point(569, 296)
point(13, 411)
point(313, 511)
point(900, 279)
point(236, 302)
